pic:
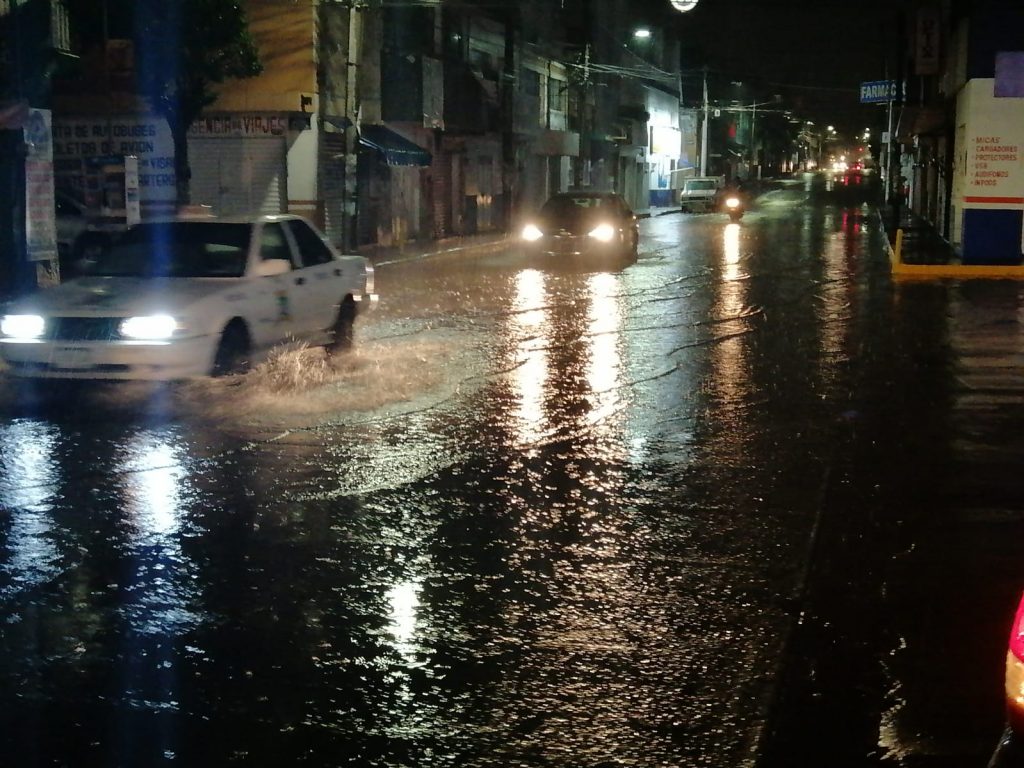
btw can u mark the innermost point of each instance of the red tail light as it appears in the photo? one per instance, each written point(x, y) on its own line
point(1017, 633)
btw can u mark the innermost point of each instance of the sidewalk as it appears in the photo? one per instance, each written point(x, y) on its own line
point(921, 252)
point(921, 243)
point(381, 255)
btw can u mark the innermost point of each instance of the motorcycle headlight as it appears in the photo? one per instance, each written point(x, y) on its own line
point(22, 327)
point(149, 327)
point(532, 232)
point(604, 232)
point(732, 202)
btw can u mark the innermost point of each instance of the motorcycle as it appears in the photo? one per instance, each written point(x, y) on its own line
point(734, 207)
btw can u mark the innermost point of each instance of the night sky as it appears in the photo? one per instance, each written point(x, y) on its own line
point(815, 53)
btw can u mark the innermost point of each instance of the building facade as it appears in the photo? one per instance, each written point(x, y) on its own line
point(388, 123)
point(959, 125)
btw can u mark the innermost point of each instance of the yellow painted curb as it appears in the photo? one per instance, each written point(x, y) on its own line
point(957, 271)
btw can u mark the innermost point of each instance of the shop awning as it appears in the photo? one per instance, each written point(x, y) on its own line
point(920, 121)
point(395, 149)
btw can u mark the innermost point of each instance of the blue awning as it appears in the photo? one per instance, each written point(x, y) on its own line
point(396, 150)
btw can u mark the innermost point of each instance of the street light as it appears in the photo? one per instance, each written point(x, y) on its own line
point(684, 5)
point(643, 33)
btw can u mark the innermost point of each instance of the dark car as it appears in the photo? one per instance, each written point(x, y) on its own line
point(591, 226)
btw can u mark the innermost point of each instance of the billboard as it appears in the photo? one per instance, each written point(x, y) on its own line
point(1010, 75)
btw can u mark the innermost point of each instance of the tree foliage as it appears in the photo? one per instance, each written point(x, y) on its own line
point(186, 46)
point(183, 48)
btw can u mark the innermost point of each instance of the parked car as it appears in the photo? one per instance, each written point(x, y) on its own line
point(594, 226)
point(79, 233)
point(189, 297)
point(700, 193)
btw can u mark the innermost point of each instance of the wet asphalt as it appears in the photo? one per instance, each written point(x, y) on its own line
point(747, 501)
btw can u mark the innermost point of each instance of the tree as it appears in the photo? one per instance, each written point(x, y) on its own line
point(182, 49)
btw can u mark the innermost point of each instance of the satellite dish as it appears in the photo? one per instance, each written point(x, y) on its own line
point(684, 5)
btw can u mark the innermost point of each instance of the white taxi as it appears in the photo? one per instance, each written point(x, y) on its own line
point(188, 298)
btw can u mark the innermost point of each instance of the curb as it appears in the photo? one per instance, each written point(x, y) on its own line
point(945, 271)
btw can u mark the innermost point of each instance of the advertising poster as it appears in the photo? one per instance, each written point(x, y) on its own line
point(79, 141)
point(40, 217)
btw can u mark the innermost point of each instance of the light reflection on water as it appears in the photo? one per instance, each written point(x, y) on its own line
point(530, 328)
point(154, 506)
point(604, 369)
point(404, 601)
point(27, 485)
point(729, 357)
point(591, 375)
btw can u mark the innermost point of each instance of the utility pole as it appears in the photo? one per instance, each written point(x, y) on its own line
point(704, 130)
point(584, 148)
point(350, 158)
point(895, 185)
point(509, 172)
point(753, 139)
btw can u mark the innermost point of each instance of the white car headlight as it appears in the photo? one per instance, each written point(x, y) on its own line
point(531, 232)
point(149, 327)
point(604, 232)
point(22, 327)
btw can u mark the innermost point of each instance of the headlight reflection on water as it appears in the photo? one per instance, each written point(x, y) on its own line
point(730, 356)
point(161, 589)
point(530, 323)
point(404, 601)
point(27, 458)
point(153, 492)
point(604, 364)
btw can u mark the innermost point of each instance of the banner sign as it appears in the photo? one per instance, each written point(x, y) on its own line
point(40, 218)
point(237, 125)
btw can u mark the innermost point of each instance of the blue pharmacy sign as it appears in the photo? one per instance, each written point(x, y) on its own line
point(877, 92)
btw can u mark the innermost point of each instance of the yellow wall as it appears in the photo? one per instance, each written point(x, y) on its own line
point(284, 31)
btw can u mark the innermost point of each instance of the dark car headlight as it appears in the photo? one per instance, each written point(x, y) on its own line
point(531, 232)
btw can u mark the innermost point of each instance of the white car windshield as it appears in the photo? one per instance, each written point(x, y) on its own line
point(177, 249)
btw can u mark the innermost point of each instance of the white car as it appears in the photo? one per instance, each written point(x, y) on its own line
point(187, 298)
point(700, 193)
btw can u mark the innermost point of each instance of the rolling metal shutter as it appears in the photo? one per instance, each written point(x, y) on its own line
point(239, 175)
point(332, 168)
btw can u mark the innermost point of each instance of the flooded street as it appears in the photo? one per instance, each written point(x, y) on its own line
point(542, 516)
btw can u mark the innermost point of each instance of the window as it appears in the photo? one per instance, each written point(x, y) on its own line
point(273, 244)
point(312, 249)
point(177, 249)
point(558, 95)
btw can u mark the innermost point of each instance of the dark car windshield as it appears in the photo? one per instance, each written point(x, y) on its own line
point(177, 249)
point(568, 206)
